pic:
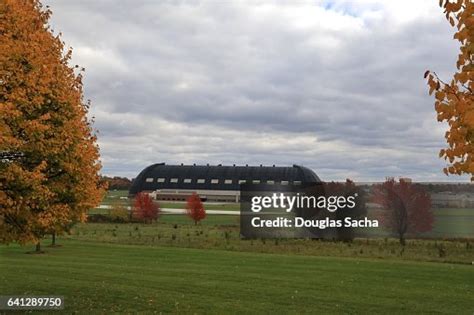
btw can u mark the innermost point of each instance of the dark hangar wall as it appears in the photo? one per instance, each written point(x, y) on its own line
point(148, 178)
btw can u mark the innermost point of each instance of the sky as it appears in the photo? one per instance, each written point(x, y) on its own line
point(336, 86)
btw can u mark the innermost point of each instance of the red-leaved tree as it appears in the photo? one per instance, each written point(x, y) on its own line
point(145, 209)
point(407, 207)
point(194, 208)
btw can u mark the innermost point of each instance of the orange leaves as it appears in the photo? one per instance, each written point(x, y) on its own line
point(145, 209)
point(442, 152)
point(440, 95)
point(461, 106)
point(48, 156)
point(194, 208)
point(469, 118)
point(455, 101)
point(445, 112)
point(462, 35)
point(461, 77)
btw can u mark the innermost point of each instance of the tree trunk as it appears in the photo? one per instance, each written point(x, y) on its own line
point(402, 239)
point(53, 239)
point(195, 222)
point(38, 247)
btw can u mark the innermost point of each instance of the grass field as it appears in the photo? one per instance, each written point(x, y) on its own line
point(222, 232)
point(107, 278)
point(175, 267)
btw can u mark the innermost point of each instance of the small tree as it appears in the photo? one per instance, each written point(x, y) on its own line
point(195, 209)
point(145, 209)
point(407, 207)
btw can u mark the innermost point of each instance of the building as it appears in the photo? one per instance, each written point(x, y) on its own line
point(213, 183)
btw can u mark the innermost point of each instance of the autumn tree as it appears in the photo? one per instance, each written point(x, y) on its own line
point(406, 207)
point(49, 160)
point(145, 209)
point(454, 99)
point(195, 209)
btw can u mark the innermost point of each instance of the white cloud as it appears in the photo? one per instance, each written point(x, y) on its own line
point(334, 85)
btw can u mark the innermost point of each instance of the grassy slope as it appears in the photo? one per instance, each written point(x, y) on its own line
point(106, 278)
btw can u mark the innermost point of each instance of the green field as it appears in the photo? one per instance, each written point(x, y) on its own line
point(453, 222)
point(222, 232)
point(173, 266)
point(106, 278)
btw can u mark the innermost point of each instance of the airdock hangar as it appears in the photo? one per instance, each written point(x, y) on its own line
point(215, 183)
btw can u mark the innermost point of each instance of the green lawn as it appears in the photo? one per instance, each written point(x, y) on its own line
point(114, 195)
point(107, 278)
point(453, 222)
point(222, 232)
point(173, 266)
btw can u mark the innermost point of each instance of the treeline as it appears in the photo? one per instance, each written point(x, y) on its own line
point(117, 183)
point(455, 187)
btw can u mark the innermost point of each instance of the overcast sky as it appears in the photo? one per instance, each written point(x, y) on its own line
point(336, 86)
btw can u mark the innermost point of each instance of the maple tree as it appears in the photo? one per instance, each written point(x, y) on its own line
point(49, 159)
point(195, 209)
point(145, 209)
point(406, 207)
point(454, 100)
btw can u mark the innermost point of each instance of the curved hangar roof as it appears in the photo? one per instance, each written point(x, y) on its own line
point(202, 177)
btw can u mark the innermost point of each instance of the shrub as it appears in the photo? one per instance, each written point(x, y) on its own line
point(118, 212)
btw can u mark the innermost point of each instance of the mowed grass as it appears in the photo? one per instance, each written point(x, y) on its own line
point(102, 278)
point(222, 232)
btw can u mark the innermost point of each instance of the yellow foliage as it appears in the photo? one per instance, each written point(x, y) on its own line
point(455, 101)
point(49, 161)
point(119, 211)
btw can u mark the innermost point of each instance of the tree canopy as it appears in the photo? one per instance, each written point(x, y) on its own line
point(454, 100)
point(49, 159)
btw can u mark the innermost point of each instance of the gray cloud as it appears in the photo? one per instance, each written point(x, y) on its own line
point(336, 85)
